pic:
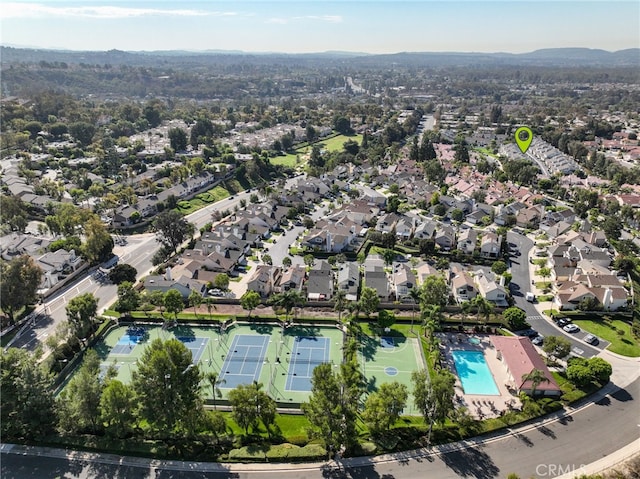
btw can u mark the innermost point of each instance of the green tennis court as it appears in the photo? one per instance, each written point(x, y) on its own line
point(239, 354)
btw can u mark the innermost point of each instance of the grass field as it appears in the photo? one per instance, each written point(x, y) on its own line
point(624, 344)
point(336, 143)
point(332, 144)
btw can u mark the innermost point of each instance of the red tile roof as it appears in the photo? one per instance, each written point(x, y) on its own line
point(521, 358)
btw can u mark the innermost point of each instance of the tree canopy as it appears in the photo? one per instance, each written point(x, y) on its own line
point(166, 384)
point(20, 280)
point(172, 229)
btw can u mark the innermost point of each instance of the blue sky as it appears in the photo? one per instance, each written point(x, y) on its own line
point(372, 26)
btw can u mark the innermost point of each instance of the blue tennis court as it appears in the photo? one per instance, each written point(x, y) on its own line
point(308, 352)
point(195, 345)
point(243, 363)
point(127, 342)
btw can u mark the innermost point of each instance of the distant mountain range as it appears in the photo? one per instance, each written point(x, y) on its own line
point(551, 57)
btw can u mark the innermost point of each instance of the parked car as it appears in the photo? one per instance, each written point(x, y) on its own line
point(591, 339)
point(538, 340)
point(571, 328)
point(562, 322)
point(529, 333)
point(530, 297)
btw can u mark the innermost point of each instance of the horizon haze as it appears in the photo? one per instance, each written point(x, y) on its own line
point(371, 27)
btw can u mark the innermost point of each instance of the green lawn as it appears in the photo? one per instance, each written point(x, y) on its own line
point(336, 143)
point(288, 160)
point(624, 344)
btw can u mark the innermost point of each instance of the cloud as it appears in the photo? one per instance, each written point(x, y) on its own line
point(320, 18)
point(38, 10)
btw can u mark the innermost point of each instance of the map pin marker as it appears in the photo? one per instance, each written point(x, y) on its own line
point(524, 135)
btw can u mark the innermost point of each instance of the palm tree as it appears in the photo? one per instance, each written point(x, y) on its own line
point(287, 300)
point(536, 376)
point(195, 300)
point(465, 307)
point(431, 320)
point(340, 302)
point(215, 382)
point(482, 306)
point(416, 296)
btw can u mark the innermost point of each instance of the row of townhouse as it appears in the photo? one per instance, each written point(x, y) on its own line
point(224, 249)
point(126, 215)
point(321, 281)
point(581, 270)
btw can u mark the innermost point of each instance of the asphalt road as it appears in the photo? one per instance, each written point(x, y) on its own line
point(581, 437)
point(521, 284)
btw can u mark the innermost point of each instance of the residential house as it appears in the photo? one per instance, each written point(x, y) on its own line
point(319, 282)
point(264, 280)
point(292, 279)
point(349, 280)
point(463, 286)
point(467, 241)
point(492, 291)
point(375, 277)
point(445, 238)
point(56, 265)
point(183, 285)
point(403, 280)
point(490, 245)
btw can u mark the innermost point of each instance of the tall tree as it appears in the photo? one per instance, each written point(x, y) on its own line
point(557, 347)
point(435, 291)
point(383, 408)
point(27, 396)
point(328, 410)
point(177, 139)
point(340, 302)
point(172, 229)
point(369, 301)
point(250, 301)
point(128, 298)
point(167, 384)
point(250, 405)
point(98, 243)
point(287, 301)
point(122, 272)
point(117, 406)
point(416, 297)
point(20, 280)
point(215, 381)
point(433, 396)
point(173, 302)
point(195, 300)
point(81, 312)
point(79, 402)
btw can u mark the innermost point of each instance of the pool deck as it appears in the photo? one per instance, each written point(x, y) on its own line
point(480, 406)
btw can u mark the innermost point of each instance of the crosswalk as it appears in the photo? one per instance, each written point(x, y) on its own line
point(534, 318)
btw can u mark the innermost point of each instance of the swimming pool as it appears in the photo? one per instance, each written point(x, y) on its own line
point(474, 374)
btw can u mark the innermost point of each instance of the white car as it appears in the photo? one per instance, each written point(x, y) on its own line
point(571, 328)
